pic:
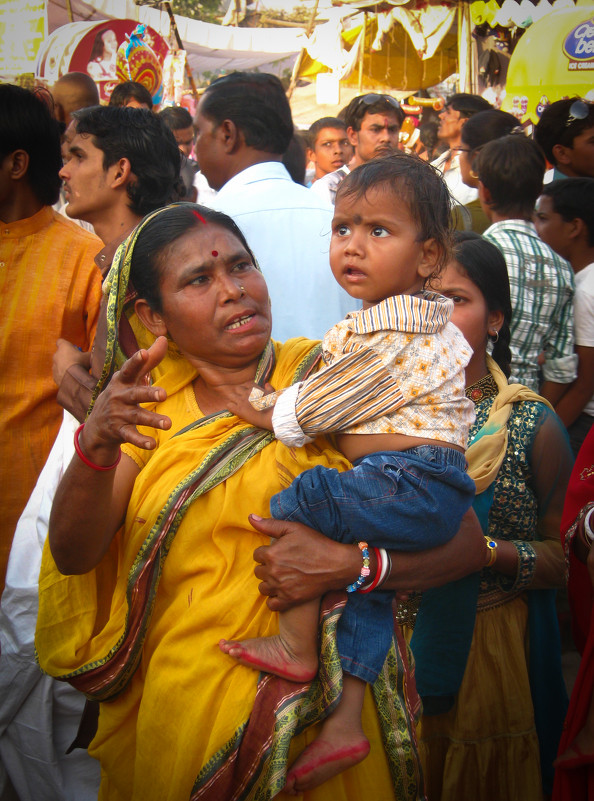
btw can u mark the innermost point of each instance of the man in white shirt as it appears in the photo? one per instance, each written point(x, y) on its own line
point(373, 127)
point(458, 109)
point(243, 126)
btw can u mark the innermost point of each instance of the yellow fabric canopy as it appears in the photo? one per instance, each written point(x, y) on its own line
point(396, 65)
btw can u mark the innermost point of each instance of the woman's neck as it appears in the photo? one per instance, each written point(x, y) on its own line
point(215, 386)
point(475, 370)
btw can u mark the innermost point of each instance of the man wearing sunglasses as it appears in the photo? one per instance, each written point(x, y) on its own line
point(565, 132)
point(373, 128)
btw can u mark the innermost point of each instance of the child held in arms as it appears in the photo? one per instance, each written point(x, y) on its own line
point(392, 392)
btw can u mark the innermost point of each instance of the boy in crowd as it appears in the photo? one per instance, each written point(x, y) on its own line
point(565, 132)
point(329, 147)
point(373, 123)
point(564, 219)
point(510, 171)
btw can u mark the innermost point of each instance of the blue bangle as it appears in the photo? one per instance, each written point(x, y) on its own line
point(365, 570)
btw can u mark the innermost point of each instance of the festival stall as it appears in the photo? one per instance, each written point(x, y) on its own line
point(399, 46)
point(110, 52)
point(210, 49)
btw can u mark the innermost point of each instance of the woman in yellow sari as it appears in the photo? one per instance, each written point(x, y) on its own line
point(150, 558)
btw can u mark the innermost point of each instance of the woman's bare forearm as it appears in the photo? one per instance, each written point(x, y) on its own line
point(464, 554)
point(85, 515)
point(92, 498)
point(301, 564)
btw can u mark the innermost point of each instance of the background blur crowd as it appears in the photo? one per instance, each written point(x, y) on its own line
point(76, 178)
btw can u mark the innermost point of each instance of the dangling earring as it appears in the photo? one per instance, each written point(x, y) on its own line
point(494, 336)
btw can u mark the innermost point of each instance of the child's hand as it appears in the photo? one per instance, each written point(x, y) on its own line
point(238, 403)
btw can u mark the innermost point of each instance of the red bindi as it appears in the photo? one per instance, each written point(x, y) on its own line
point(215, 253)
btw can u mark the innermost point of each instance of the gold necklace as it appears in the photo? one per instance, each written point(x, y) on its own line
point(485, 387)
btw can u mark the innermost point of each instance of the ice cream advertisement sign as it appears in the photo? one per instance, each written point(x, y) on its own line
point(579, 46)
point(566, 36)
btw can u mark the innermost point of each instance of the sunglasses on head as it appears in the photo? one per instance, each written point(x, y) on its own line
point(374, 97)
point(579, 110)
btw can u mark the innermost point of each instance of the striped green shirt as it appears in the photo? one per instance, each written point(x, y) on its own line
point(542, 287)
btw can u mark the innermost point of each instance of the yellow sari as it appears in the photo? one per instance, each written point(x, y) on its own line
point(179, 719)
point(174, 719)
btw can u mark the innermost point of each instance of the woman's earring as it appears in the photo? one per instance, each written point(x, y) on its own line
point(494, 336)
point(474, 175)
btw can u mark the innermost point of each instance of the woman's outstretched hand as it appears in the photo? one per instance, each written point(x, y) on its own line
point(117, 412)
point(78, 536)
point(300, 563)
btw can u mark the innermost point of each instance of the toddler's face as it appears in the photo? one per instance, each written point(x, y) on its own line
point(375, 252)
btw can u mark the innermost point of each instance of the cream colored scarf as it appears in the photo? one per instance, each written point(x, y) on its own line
point(487, 450)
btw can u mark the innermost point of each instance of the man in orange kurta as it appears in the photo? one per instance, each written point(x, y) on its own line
point(50, 287)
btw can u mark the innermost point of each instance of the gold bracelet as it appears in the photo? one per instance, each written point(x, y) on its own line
point(492, 546)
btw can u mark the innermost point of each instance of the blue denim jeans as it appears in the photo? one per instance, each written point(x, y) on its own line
point(407, 501)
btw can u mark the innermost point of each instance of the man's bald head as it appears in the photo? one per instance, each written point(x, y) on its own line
point(71, 92)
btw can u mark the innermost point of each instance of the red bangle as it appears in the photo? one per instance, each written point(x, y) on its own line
point(88, 462)
point(378, 573)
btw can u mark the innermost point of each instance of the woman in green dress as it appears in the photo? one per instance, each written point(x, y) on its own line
point(498, 739)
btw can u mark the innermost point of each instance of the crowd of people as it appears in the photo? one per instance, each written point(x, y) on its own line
point(290, 422)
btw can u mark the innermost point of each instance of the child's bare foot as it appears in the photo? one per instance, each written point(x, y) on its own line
point(340, 745)
point(273, 655)
point(324, 759)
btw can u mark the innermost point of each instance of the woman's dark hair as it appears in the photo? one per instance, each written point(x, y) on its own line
point(26, 123)
point(415, 181)
point(512, 168)
point(147, 264)
point(486, 126)
point(484, 264)
point(256, 103)
point(98, 45)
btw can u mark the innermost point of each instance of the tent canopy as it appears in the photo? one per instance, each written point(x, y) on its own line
point(210, 49)
point(396, 65)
